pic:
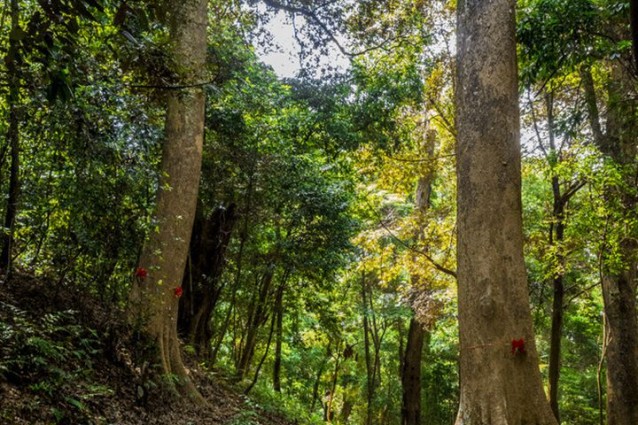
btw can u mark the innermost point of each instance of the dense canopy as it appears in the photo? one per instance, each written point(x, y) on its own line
point(295, 238)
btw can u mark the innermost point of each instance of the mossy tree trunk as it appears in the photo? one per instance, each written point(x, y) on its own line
point(500, 381)
point(154, 299)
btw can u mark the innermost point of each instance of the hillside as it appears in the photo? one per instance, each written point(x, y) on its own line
point(65, 358)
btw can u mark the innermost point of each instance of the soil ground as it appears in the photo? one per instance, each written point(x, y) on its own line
point(67, 358)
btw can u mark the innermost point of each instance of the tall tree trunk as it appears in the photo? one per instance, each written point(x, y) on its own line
point(279, 333)
point(556, 331)
point(500, 380)
point(263, 357)
point(315, 386)
point(411, 375)
point(633, 12)
point(13, 141)
point(328, 408)
point(243, 236)
point(368, 359)
point(256, 319)
point(556, 238)
point(155, 300)
point(202, 286)
point(619, 286)
point(411, 371)
point(348, 400)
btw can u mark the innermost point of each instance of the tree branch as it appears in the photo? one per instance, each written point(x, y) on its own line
point(311, 14)
point(431, 260)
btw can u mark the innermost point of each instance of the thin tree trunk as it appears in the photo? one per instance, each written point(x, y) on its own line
point(411, 375)
point(400, 335)
point(333, 387)
point(411, 369)
point(255, 321)
point(500, 379)
point(366, 341)
point(315, 387)
point(155, 301)
point(377, 339)
point(555, 343)
point(222, 332)
point(279, 313)
point(633, 12)
point(556, 239)
point(13, 141)
point(243, 236)
point(263, 358)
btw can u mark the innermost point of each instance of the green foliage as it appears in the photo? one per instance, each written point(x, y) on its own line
point(265, 399)
point(322, 171)
point(582, 344)
point(554, 35)
point(52, 357)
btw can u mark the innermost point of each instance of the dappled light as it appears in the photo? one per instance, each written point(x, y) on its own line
point(278, 212)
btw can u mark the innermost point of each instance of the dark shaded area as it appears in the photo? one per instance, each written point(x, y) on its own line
point(67, 358)
point(202, 286)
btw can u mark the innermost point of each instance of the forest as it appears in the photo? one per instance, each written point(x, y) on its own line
point(432, 218)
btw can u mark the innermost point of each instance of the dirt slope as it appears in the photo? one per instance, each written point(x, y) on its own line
point(66, 358)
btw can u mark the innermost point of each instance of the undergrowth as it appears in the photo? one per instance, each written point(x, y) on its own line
point(51, 356)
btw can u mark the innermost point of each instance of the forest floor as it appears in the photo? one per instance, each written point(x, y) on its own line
point(67, 358)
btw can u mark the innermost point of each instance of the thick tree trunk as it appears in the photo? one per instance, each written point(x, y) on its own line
point(202, 287)
point(411, 375)
point(348, 380)
point(622, 384)
point(155, 299)
point(619, 286)
point(13, 141)
point(346, 409)
point(500, 380)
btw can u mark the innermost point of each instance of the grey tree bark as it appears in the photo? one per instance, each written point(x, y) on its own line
point(500, 380)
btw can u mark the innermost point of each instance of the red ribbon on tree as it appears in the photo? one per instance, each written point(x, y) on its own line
point(141, 273)
point(518, 346)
